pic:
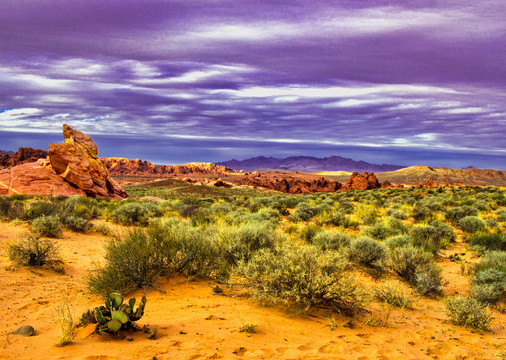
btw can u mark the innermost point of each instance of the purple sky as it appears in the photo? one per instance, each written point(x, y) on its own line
point(172, 81)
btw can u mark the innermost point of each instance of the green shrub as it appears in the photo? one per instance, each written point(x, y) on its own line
point(492, 260)
point(37, 209)
point(421, 213)
point(432, 237)
point(397, 214)
point(417, 267)
point(501, 215)
point(337, 219)
point(81, 207)
point(367, 251)
point(241, 242)
point(135, 213)
point(471, 224)
point(468, 312)
point(32, 251)
point(331, 240)
point(489, 241)
point(133, 261)
point(76, 223)
point(47, 226)
point(303, 212)
point(309, 231)
point(397, 241)
point(301, 276)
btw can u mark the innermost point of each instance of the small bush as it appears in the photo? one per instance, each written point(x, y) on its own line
point(397, 241)
point(331, 240)
point(301, 276)
point(76, 223)
point(47, 226)
point(241, 242)
point(303, 212)
point(417, 267)
point(431, 238)
point(501, 215)
point(397, 214)
point(134, 213)
point(489, 241)
point(37, 209)
point(392, 295)
point(492, 260)
point(367, 251)
point(471, 224)
point(308, 232)
point(32, 251)
point(468, 312)
point(65, 313)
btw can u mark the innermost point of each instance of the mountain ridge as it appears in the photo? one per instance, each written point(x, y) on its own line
point(308, 164)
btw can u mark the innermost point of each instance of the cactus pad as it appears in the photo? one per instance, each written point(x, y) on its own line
point(114, 325)
point(119, 315)
point(116, 300)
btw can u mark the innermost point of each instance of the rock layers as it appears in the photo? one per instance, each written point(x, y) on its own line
point(122, 166)
point(291, 185)
point(72, 168)
point(22, 156)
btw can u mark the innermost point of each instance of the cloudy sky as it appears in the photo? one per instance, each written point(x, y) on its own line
point(171, 81)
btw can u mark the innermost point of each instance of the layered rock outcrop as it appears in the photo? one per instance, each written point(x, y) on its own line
point(76, 160)
point(71, 168)
point(292, 185)
point(22, 156)
point(365, 181)
point(123, 166)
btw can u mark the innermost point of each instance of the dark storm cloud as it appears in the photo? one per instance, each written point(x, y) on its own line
point(307, 76)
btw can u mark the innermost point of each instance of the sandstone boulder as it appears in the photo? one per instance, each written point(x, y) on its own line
point(365, 181)
point(76, 160)
point(35, 178)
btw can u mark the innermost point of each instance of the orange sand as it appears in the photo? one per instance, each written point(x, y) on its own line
point(179, 309)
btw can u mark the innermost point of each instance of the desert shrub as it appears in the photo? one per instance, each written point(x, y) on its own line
point(81, 207)
point(337, 218)
point(397, 241)
point(501, 215)
point(331, 240)
point(369, 220)
point(481, 205)
point(133, 261)
point(471, 224)
point(367, 251)
point(65, 313)
point(454, 215)
point(76, 223)
point(468, 312)
point(346, 207)
point(393, 295)
point(417, 267)
point(397, 214)
point(301, 276)
point(444, 233)
point(489, 241)
point(429, 238)
point(32, 251)
point(241, 242)
point(135, 213)
point(488, 286)
point(303, 212)
point(421, 213)
point(47, 226)
point(309, 231)
point(37, 209)
point(492, 260)
point(492, 224)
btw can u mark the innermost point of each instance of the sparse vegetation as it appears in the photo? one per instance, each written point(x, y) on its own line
point(468, 312)
point(33, 251)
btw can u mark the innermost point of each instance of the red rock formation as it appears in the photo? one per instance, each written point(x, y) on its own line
point(365, 181)
point(122, 166)
point(22, 156)
point(291, 185)
point(76, 160)
point(388, 185)
point(35, 178)
point(430, 183)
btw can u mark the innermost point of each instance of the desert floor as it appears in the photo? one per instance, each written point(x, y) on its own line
point(195, 323)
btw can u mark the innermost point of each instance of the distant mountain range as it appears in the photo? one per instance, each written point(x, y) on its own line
point(7, 152)
point(307, 164)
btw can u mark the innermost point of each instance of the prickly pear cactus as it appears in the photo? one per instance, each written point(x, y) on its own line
point(116, 315)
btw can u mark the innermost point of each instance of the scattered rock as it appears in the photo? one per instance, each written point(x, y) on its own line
point(25, 330)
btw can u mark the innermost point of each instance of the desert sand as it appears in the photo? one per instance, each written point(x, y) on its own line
point(196, 323)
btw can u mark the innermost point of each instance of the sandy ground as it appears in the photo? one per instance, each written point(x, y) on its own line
point(195, 323)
